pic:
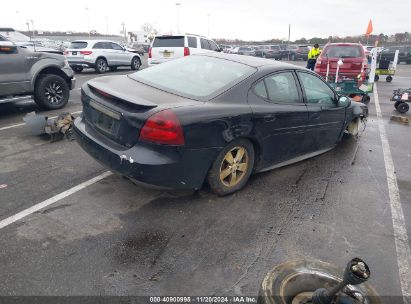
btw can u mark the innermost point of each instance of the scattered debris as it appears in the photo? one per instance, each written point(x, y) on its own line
point(57, 128)
point(401, 119)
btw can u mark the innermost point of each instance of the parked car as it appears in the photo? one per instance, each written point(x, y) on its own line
point(100, 55)
point(138, 48)
point(211, 117)
point(25, 75)
point(404, 54)
point(244, 50)
point(355, 62)
point(295, 52)
point(165, 48)
point(269, 51)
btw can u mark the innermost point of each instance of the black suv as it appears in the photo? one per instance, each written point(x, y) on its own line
point(295, 52)
point(403, 56)
point(43, 76)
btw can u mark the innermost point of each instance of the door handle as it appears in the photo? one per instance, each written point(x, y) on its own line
point(270, 117)
point(315, 116)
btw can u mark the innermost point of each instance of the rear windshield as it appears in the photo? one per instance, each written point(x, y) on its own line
point(174, 41)
point(336, 51)
point(78, 45)
point(197, 77)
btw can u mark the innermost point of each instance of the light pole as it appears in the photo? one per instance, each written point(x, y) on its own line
point(124, 31)
point(106, 25)
point(88, 22)
point(208, 23)
point(28, 28)
point(17, 18)
point(32, 28)
point(178, 4)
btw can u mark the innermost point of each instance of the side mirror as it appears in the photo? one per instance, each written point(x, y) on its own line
point(343, 101)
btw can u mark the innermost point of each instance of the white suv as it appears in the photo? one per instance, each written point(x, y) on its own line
point(100, 55)
point(164, 48)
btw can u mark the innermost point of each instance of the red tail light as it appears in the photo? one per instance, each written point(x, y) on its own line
point(163, 128)
point(186, 51)
point(86, 52)
point(66, 52)
point(149, 53)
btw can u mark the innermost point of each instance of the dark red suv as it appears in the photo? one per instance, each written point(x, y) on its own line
point(353, 58)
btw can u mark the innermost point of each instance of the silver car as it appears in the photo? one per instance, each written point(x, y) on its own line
point(100, 55)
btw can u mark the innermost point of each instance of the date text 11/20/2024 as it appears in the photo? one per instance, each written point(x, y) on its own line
point(198, 300)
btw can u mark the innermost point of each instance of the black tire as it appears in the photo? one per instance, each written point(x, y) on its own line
point(403, 107)
point(397, 103)
point(101, 65)
point(113, 68)
point(220, 164)
point(388, 79)
point(77, 69)
point(51, 92)
point(293, 57)
point(135, 63)
point(376, 78)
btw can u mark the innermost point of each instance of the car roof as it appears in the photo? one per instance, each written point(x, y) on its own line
point(94, 41)
point(250, 60)
point(343, 44)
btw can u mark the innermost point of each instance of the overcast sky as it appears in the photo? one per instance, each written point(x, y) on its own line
point(243, 19)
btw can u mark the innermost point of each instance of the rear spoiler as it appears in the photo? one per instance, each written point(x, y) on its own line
point(102, 89)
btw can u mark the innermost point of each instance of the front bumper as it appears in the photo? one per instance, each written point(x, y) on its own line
point(148, 164)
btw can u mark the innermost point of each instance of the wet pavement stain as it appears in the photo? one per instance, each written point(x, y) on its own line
point(144, 249)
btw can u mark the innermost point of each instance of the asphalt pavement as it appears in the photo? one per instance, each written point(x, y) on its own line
point(111, 237)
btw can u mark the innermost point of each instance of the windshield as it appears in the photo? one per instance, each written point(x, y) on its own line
point(336, 51)
point(194, 76)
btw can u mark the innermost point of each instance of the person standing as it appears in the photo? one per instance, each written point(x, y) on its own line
point(312, 56)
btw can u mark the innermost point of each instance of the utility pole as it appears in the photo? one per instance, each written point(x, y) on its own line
point(178, 4)
point(208, 21)
point(88, 22)
point(289, 33)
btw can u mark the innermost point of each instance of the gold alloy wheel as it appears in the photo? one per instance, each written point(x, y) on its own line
point(234, 166)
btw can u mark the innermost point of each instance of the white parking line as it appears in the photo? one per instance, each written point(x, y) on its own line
point(398, 222)
point(23, 123)
point(52, 200)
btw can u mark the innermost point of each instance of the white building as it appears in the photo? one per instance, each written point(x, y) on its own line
point(139, 37)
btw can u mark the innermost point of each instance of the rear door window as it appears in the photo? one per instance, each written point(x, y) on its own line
point(78, 45)
point(282, 88)
point(192, 42)
point(169, 41)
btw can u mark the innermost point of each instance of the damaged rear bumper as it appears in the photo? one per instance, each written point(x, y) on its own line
point(148, 164)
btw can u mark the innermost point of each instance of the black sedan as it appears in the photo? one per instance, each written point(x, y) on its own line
point(214, 118)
